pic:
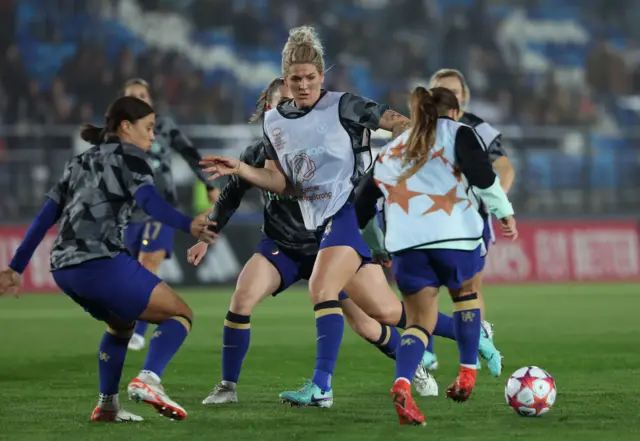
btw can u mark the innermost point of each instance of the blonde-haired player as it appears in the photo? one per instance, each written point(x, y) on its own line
point(317, 148)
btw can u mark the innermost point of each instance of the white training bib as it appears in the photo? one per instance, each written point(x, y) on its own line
point(316, 154)
point(432, 206)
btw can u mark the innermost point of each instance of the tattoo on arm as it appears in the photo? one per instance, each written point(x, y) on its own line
point(394, 122)
point(400, 128)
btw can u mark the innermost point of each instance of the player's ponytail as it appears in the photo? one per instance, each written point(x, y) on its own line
point(92, 134)
point(126, 108)
point(264, 99)
point(426, 107)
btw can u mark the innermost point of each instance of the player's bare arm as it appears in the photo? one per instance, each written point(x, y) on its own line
point(394, 122)
point(505, 170)
point(270, 178)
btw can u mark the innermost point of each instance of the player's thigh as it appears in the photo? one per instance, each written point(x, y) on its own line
point(363, 325)
point(342, 252)
point(152, 260)
point(333, 269)
point(164, 303)
point(370, 290)
point(421, 308)
point(258, 280)
point(468, 286)
point(118, 286)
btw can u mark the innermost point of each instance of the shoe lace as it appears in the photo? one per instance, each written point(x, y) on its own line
point(220, 387)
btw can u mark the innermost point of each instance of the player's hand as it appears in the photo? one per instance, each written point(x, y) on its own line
point(196, 253)
point(200, 227)
point(221, 166)
point(383, 259)
point(508, 226)
point(10, 282)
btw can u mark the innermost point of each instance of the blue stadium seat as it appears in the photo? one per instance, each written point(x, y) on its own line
point(568, 170)
point(539, 169)
point(603, 173)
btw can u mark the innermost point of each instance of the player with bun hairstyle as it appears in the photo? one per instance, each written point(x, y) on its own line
point(317, 149)
point(89, 261)
point(286, 254)
point(429, 178)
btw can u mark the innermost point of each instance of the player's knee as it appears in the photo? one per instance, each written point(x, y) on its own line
point(385, 316)
point(319, 292)
point(164, 304)
point(179, 308)
point(244, 300)
point(120, 328)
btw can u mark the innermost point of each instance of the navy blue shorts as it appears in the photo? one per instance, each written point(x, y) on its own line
point(148, 237)
point(118, 286)
point(292, 267)
point(418, 269)
point(342, 230)
point(487, 239)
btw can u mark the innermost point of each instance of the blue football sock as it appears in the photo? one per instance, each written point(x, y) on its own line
point(236, 336)
point(444, 327)
point(467, 327)
point(165, 342)
point(141, 328)
point(388, 341)
point(113, 350)
point(410, 351)
point(329, 329)
point(402, 323)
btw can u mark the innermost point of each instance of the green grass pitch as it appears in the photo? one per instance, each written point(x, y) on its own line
point(586, 336)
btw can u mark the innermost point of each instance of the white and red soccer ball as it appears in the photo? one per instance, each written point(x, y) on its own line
point(530, 391)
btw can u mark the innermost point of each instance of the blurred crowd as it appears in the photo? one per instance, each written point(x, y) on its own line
point(399, 43)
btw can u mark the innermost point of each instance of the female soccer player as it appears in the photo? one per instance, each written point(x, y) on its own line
point(453, 80)
point(285, 255)
point(429, 178)
point(314, 149)
point(147, 239)
point(89, 262)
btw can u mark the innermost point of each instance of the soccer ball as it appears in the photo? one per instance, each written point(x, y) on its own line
point(530, 391)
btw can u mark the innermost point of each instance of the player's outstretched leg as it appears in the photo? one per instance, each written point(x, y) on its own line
point(334, 266)
point(111, 356)
point(137, 342)
point(174, 320)
point(259, 279)
point(329, 327)
point(386, 339)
